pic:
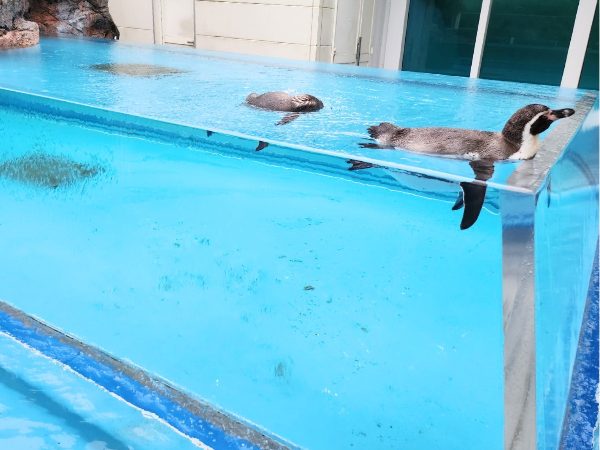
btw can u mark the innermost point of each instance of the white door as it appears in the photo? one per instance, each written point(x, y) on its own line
point(178, 21)
point(353, 29)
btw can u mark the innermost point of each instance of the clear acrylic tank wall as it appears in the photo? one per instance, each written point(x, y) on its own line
point(274, 298)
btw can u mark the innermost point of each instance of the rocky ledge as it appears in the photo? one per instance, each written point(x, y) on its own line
point(73, 18)
point(23, 34)
point(22, 21)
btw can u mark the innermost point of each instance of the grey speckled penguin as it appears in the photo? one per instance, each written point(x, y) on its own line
point(294, 105)
point(517, 140)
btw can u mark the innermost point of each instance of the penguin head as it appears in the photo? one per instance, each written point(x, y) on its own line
point(532, 120)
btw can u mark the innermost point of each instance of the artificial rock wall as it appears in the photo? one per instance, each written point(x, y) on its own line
point(21, 21)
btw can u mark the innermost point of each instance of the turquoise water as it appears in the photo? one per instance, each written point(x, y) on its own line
point(334, 309)
point(211, 90)
point(44, 406)
point(291, 298)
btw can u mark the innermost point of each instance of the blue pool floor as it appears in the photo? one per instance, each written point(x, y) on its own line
point(45, 406)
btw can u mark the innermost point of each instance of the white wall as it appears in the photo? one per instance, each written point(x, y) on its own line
point(134, 18)
point(299, 29)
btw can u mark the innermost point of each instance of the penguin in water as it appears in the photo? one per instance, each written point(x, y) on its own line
point(294, 105)
point(518, 140)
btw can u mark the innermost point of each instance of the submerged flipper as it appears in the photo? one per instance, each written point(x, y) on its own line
point(289, 117)
point(473, 194)
point(358, 165)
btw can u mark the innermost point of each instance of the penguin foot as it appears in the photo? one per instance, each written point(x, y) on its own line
point(209, 133)
point(473, 196)
point(261, 145)
point(288, 118)
point(375, 145)
point(358, 165)
point(459, 202)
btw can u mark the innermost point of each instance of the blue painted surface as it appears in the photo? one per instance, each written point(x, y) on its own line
point(118, 383)
point(582, 410)
point(45, 407)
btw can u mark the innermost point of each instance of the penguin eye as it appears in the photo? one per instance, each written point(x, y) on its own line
point(540, 125)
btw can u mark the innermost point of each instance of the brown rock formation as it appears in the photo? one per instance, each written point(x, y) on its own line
point(14, 30)
point(73, 17)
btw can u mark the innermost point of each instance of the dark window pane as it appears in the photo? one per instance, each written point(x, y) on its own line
point(528, 40)
point(589, 75)
point(440, 36)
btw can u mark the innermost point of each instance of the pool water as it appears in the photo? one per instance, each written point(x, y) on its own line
point(329, 308)
point(210, 90)
point(288, 297)
point(45, 406)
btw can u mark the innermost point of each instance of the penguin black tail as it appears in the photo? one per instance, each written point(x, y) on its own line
point(377, 131)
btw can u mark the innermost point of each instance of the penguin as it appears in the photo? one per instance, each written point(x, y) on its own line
point(294, 105)
point(518, 140)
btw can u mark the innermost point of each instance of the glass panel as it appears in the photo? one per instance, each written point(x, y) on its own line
point(528, 40)
point(589, 74)
point(566, 233)
point(441, 36)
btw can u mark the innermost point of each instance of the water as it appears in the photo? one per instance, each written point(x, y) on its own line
point(337, 310)
point(310, 304)
point(44, 406)
point(212, 87)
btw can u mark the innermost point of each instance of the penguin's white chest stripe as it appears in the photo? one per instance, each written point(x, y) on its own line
point(530, 144)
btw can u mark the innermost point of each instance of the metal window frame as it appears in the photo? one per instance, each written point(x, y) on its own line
point(394, 34)
point(582, 28)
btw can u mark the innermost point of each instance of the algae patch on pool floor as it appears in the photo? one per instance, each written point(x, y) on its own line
point(47, 171)
point(137, 70)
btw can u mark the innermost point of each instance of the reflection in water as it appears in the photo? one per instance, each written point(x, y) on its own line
point(47, 171)
point(137, 70)
point(88, 431)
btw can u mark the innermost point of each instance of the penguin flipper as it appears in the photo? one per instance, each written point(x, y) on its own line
point(474, 196)
point(358, 165)
point(460, 201)
point(289, 117)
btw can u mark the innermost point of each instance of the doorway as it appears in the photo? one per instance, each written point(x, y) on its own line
point(353, 32)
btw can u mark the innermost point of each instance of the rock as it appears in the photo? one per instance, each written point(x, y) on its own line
point(24, 34)
point(11, 10)
point(73, 18)
point(14, 30)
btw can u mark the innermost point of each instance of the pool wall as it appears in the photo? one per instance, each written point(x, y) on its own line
point(566, 236)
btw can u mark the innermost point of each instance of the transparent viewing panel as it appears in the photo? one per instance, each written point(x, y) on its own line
point(566, 238)
point(326, 309)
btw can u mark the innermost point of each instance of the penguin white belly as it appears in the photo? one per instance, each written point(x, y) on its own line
point(528, 149)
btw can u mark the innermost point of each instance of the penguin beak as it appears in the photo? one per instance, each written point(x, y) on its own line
point(556, 114)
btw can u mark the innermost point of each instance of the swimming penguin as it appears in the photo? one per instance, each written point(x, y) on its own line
point(518, 140)
point(294, 105)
